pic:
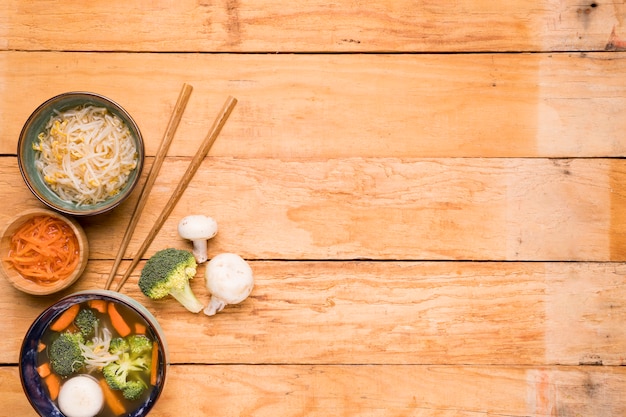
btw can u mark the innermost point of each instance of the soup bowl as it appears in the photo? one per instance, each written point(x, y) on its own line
point(36, 346)
point(85, 175)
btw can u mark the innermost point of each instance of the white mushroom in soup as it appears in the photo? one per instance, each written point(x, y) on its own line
point(81, 396)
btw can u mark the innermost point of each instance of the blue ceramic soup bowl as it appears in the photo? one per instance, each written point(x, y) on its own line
point(30, 355)
point(27, 153)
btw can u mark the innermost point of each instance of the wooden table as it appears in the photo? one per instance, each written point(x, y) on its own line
point(431, 194)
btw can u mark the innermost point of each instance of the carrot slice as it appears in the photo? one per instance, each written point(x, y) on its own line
point(65, 319)
point(112, 400)
point(118, 321)
point(154, 365)
point(140, 328)
point(53, 383)
point(41, 346)
point(98, 305)
point(44, 369)
point(44, 250)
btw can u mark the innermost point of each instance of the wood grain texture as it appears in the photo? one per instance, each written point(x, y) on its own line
point(321, 390)
point(353, 105)
point(381, 208)
point(431, 196)
point(412, 313)
point(314, 26)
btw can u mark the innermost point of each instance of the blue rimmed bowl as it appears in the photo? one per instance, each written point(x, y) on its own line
point(33, 384)
point(36, 124)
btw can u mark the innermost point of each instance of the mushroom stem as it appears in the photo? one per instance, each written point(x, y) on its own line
point(200, 250)
point(215, 305)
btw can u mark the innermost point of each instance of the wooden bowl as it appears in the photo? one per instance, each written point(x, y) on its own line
point(25, 284)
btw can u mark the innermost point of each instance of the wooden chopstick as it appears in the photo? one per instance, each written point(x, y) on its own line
point(172, 125)
point(195, 163)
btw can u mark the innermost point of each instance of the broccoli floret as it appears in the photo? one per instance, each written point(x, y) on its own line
point(139, 344)
point(127, 373)
point(65, 354)
point(115, 374)
point(118, 345)
point(133, 390)
point(118, 373)
point(168, 272)
point(86, 322)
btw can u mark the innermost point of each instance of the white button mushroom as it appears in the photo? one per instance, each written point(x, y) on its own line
point(198, 228)
point(81, 396)
point(229, 280)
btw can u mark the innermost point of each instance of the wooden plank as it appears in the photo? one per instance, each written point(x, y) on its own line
point(13, 397)
point(444, 313)
point(377, 390)
point(403, 390)
point(381, 208)
point(299, 26)
point(460, 105)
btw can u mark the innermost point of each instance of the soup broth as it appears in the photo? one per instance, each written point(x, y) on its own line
point(115, 325)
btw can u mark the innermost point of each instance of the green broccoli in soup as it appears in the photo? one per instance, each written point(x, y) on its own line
point(86, 321)
point(128, 373)
point(139, 344)
point(118, 345)
point(168, 272)
point(65, 353)
point(133, 389)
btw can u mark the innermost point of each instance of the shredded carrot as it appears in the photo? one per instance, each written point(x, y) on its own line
point(41, 346)
point(118, 321)
point(98, 305)
point(44, 250)
point(44, 369)
point(65, 319)
point(112, 400)
point(140, 328)
point(53, 382)
point(154, 366)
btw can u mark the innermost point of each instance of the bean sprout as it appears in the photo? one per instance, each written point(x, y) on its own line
point(96, 351)
point(85, 154)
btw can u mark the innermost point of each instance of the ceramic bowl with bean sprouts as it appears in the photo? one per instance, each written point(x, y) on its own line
point(80, 153)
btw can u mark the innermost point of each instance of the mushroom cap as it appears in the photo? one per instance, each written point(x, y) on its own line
point(81, 396)
point(197, 226)
point(229, 278)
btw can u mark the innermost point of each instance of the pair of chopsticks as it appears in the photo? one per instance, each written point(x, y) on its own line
point(195, 163)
